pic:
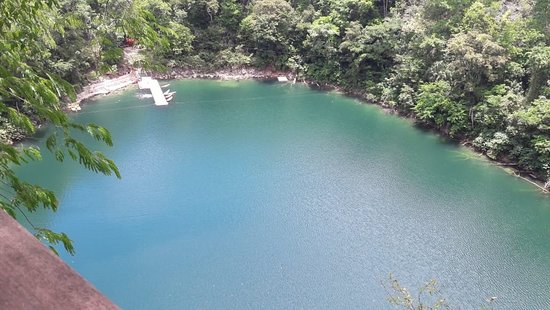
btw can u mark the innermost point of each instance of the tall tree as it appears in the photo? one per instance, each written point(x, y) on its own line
point(267, 29)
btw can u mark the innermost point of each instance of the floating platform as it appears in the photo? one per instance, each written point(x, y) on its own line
point(156, 90)
point(282, 79)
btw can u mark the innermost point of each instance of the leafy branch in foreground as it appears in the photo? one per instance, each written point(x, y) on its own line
point(429, 296)
point(26, 88)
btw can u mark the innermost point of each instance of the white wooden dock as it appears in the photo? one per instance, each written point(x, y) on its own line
point(156, 91)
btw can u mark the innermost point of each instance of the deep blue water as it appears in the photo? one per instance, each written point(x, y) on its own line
point(252, 195)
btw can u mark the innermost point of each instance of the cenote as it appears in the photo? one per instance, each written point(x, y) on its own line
point(253, 195)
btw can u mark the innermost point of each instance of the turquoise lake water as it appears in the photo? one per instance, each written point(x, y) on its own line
point(247, 195)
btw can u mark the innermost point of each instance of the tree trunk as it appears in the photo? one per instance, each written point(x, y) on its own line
point(538, 79)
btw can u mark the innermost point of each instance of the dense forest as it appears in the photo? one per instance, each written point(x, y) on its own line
point(476, 71)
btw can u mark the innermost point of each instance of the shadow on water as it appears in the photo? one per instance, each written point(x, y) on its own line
point(268, 80)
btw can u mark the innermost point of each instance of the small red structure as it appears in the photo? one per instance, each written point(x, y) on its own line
point(129, 42)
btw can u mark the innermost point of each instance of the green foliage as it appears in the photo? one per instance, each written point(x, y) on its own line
point(344, 11)
point(536, 116)
point(539, 62)
point(492, 57)
point(179, 40)
point(443, 16)
point(429, 296)
point(266, 31)
point(322, 44)
point(498, 104)
point(435, 106)
point(541, 12)
point(233, 58)
point(28, 93)
point(493, 146)
point(539, 57)
point(54, 238)
point(532, 128)
point(368, 50)
point(475, 61)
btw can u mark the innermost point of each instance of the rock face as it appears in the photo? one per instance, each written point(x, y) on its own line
point(74, 106)
point(32, 277)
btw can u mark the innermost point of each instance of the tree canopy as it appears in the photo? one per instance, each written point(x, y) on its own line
point(29, 90)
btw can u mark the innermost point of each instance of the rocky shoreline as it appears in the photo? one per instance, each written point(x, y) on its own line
point(105, 86)
point(266, 74)
point(102, 86)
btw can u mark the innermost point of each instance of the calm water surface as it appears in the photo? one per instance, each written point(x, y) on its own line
point(246, 195)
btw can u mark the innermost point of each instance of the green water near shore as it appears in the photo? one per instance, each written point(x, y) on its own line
point(253, 195)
